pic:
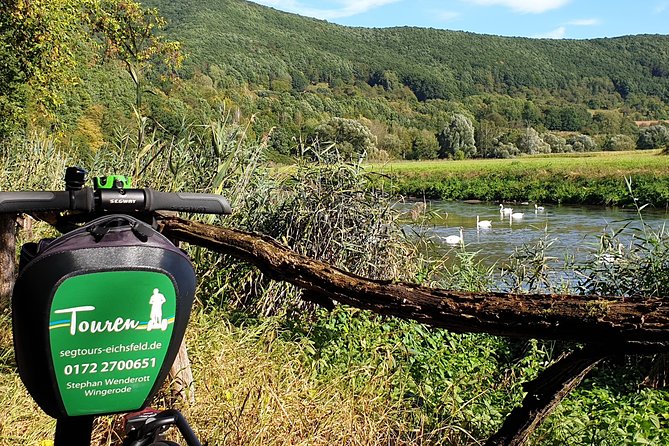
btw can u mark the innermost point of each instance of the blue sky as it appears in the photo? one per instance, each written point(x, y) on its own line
point(558, 19)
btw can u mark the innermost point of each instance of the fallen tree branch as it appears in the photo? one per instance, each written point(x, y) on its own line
point(544, 394)
point(625, 324)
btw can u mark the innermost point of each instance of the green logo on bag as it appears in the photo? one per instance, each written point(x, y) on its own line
point(109, 334)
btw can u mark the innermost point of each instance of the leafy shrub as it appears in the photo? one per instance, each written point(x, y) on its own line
point(504, 150)
point(619, 142)
point(557, 143)
point(351, 138)
point(653, 137)
point(531, 143)
point(423, 145)
point(582, 143)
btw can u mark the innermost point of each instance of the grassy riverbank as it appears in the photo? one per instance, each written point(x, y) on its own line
point(588, 178)
point(350, 377)
point(271, 370)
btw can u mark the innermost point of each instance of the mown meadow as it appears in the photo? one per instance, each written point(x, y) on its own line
point(272, 370)
point(599, 178)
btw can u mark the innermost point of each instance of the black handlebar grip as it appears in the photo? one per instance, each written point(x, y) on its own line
point(186, 202)
point(17, 202)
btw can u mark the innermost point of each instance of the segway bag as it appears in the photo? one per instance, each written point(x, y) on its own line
point(98, 316)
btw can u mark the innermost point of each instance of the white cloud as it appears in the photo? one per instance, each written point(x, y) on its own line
point(446, 16)
point(584, 22)
point(345, 8)
point(557, 33)
point(661, 7)
point(524, 6)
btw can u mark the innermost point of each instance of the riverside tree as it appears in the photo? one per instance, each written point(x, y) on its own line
point(619, 142)
point(351, 137)
point(531, 143)
point(653, 137)
point(487, 136)
point(582, 143)
point(457, 139)
point(424, 145)
point(556, 142)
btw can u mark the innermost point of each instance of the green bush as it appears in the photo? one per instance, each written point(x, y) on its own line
point(619, 142)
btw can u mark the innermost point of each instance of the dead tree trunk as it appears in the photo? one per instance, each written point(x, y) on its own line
point(181, 375)
point(607, 324)
point(544, 394)
point(624, 324)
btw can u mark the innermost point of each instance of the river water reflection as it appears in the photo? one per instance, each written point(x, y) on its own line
point(572, 230)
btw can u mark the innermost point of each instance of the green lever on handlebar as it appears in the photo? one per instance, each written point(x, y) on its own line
point(112, 182)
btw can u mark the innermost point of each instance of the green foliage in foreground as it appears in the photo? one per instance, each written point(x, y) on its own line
point(313, 381)
point(598, 179)
point(313, 377)
point(462, 386)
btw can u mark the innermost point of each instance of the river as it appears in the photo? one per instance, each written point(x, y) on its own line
point(571, 230)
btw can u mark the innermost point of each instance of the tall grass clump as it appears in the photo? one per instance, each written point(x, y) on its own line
point(22, 422)
point(33, 163)
point(321, 208)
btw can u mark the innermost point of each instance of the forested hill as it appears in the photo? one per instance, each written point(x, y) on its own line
point(247, 42)
point(397, 92)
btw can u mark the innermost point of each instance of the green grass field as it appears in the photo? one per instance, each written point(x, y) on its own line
point(599, 178)
point(588, 164)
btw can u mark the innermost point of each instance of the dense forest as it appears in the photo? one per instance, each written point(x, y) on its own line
point(408, 93)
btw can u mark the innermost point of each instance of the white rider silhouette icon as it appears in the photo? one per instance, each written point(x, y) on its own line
point(156, 320)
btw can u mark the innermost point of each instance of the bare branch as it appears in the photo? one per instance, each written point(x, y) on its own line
point(624, 324)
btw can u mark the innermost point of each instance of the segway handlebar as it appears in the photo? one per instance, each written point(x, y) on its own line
point(112, 200)
point(17, 202)
point(113, 194)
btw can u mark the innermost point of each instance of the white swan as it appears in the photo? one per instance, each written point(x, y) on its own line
point(612, 255)
point(505, 211)
point(517, 215)
point(483, 224)
point(455, 239)
point(538, 208)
